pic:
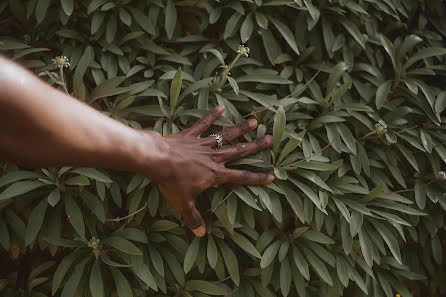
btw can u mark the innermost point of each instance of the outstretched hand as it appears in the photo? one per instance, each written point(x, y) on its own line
point(194, 164)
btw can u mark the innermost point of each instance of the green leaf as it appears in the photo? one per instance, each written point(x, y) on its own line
point(122, 284)
point(133, 234)
point(342, 268)
point(354, 32)
point(390, 240)
point(318, 266)
point(171, 18)
point(335, 76)
point(316, 179)
point(437, 250)
point(261, 19)
point(41, 9)
point(243, 194)
point(245, 244)
point(317, 237)
point(381, 93)
point(388, 46)
point(212, 252)
point(175, 267)
point(96, 283)
point(122, 245)
point(247, 28)
point(163, 225)
point(94, 204)
point(157, 261)
point(175, 89)
point(409, 156)
point(285, 277)
point(366, 247)
point(142, 270)
point(108, 88)
point(67, 6)
point(96, 21)
point(230, 262)
point(425, 53)
point(205, 288)
point(74, 215)
point(440, 103)
point(191, 255)
point(269, 254)
point(112, 27)
point(291, 145)
point(196, 86)
point(286, 33)
point(61, 270)
point(231, 24)
point(54, 197)
point(309, 192)
point(14, 176)
point(301, 263)
point(278, 128)
point(93, 173)
point(81, 68)
point(73, 282)
point(20, 188)
point(233, 84)
point(420, 194)
point(263, 78)
point(35, 221)
point(143, 20)
point(426, 140)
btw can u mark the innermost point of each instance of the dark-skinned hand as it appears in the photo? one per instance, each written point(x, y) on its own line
point(195, 165)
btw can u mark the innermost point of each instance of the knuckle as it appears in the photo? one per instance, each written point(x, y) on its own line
point(245, 176)
point(245, 126)
point(188, 207)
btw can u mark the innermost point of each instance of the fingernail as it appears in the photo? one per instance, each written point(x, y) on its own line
point(220, 108)
point(270, 178)
point(269, 139)
point(252, 123)
point(200, 231)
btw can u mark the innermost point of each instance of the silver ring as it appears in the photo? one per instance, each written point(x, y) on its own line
point(219, 140)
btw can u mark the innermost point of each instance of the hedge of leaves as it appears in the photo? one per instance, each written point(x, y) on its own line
point(352, 92)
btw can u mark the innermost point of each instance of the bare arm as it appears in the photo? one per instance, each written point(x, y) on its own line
point(41, 126)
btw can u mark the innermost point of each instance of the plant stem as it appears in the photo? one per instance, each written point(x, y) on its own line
point(63, 80)
point(118, 219)
point(226, 72)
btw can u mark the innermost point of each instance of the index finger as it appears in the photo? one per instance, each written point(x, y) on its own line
point(206, 121)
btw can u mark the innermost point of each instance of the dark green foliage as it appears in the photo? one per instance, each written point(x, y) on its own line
point(358, 204)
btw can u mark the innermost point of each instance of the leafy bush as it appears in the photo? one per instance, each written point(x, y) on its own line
point(352, 91)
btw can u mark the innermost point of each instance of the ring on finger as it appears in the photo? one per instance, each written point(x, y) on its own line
point(219, 140)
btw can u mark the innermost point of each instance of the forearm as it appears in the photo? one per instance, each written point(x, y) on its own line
point(41, 126)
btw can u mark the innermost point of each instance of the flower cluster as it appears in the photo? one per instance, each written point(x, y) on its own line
point(61, 61)
point(381, 128)
point(94, 243)
point(243, 50)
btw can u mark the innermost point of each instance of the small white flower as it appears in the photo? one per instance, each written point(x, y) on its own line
point(61, 61)
point(442, 175)
point(243, 50)
point(381, 128)
point(94, 243)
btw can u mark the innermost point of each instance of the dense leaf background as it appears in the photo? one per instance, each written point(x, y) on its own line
point(353, 92)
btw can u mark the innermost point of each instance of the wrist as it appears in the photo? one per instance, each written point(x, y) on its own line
point(151, 155)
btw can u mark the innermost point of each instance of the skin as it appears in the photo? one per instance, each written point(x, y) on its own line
point(41, 126)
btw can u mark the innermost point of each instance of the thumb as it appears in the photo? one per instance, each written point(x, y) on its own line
point(193, 220)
